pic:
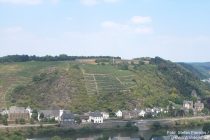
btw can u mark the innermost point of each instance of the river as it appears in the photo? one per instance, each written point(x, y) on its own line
point(160, 134)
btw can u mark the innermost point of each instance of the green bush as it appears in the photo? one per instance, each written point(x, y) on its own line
point(22, 121)
point(206, 128)
point(56, 138)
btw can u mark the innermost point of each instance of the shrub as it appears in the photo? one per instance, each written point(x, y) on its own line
point(22, 121)
point(206, 128)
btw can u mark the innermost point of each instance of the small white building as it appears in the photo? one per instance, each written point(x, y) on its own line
point(96, 117)
point(188, 104)
point(119, 114)
point(105, 115)
point(4, 111)
point(29, 111)
point(199, 106)
point(142, 113)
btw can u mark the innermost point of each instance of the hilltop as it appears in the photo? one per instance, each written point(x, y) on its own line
point(98, 84)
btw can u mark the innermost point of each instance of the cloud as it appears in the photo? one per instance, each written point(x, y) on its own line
point(144, 30)
point(28, 2)
point(13, 29)
point(141, 19)
point(25, 2)
point(111, 1)
point(114, 25)
point(89, 2)
point(69, 18)
point(130, 28)
point(95, 2)
point(54, 1)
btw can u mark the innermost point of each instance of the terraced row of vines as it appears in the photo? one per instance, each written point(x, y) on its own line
point(98, 81)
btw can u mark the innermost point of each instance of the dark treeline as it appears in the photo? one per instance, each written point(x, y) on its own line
point(62, 57)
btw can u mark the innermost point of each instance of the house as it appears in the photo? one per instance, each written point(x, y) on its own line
point(142, 113)
point(84, 118)
point(134, 113)
point(50, 114)
point(149, 110)
point(96, 117)
point(199, 106)
point(129, 114)
point(153, 112)
point(86, 61)
point(157, 110)
point(16, 113)
point(119, 114)
point(105, 115)
point(67, 119)
point(30, 111)
point(188, 104)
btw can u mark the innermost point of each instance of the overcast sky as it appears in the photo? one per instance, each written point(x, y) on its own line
point(178, 30)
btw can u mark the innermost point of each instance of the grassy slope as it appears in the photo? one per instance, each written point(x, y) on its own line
point(62, 85)
point(13, 74)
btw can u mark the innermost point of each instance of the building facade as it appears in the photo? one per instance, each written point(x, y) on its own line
point(96, 117)
point(16, 113)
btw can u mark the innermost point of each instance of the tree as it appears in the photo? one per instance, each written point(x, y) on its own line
point(205, 111)
point(41, 116)
point(34, 114)
point(31, 121)
point(22, 121)
point(78, 120)
point(56, 138)
point(17, 137)
point(171, 110)
point(206, 128)
point(4, 121)
point(191, 112)
point(123, 66)
point(180, 112)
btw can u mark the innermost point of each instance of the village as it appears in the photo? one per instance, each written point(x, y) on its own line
point(66, 118)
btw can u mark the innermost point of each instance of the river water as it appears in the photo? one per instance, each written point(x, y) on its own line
point(160, 134)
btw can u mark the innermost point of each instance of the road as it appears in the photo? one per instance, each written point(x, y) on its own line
point(25, 125)
point(144, 124)
point(161, 120)
point(137, 122)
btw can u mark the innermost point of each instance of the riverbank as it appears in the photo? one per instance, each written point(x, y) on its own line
point(113, 126)
point(50, 131)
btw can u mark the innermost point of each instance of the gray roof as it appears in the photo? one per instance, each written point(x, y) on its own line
point(50, 113)
point(199, 104)
point(96, 114)
point(67, 115)
point(15, 109)
point(187, 102)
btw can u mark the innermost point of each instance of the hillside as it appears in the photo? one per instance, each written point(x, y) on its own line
point(202, 70)
point(83, 87)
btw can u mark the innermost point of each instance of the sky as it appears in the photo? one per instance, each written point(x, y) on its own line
point(176, 30)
